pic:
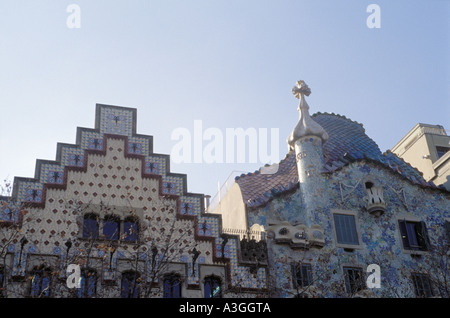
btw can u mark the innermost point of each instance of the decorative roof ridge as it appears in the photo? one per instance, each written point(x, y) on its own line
point(271, 194)
point(427, 185)
point(388, 151)
point(258, 171)
point(340, 116)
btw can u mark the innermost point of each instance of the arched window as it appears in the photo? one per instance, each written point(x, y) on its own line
point(212, 287)
point(111, 227)
point(90, 226)
point(40, 282)
point(130, 229)
point(172, 286)
point(129, 285)
point(88, 283)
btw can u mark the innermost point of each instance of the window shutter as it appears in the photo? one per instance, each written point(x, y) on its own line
point(346, 229)
point(294, 275)
point(447, 230)
point(307, 275)
point(424, 235)
point(339, 230)
point(404, 234)
point(352, 230)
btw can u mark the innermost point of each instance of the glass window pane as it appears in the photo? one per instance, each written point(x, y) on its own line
point(130, 229)
point(111, 228)
point(422, 285)
point(90, 227)
point(172, 287)
point(88, 281)
point(40, 283)
point(35, 284)
point(1, 278)
point(213, 287)
point(346, 232)
point(353, 279)
point(411, 232)
point(129, 287)
point(414, 235)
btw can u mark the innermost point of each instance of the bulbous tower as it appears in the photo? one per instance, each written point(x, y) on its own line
point(306, 139)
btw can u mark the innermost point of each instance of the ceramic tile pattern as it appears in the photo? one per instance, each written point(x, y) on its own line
point(347, 143)
point(112, 163)
point(105, 165)
point(351, 158)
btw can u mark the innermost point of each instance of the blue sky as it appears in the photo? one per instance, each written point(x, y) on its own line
point(227, 63)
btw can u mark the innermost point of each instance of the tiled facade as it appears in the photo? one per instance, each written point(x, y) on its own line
point(334, 206)
point(111, 170)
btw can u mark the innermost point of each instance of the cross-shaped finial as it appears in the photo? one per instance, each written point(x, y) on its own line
point(301, 88)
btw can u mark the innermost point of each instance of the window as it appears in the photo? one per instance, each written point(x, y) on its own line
point(88, 283)
point(2, 278)
point(422, 285)
point(441, 151)
point(90, 226)
point(302, 275)
point(414, 235)
point(447, 231)
point(346, 232)
point(111, 227)
point(130, 229)
point(172, 286)
point(40, 282)
point(213, 288)
point(353, 279)
point(129, 285)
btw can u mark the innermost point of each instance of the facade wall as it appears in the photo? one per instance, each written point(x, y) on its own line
point(109, 178)
point(111, 175)
point(379, 237)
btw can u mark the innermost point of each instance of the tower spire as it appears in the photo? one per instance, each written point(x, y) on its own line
point(306, 126)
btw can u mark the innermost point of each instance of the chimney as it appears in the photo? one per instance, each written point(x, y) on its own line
point(206, 201)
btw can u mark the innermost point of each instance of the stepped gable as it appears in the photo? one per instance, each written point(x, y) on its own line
point(116, 126)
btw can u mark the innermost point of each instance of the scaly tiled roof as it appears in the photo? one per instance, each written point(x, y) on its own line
point(347, 142)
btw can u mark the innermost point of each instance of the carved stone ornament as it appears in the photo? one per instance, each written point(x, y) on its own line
point(297, 236)
point(375, 202)
point(306, 126)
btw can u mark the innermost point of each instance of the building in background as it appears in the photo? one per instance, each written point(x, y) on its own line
point(427, 148)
